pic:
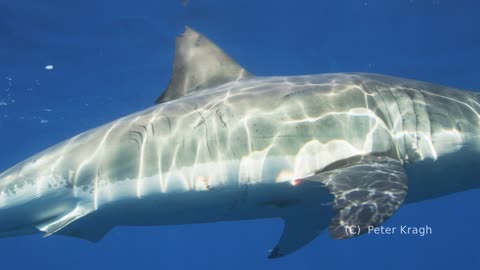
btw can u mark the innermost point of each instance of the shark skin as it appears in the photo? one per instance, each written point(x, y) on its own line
point(329, 151)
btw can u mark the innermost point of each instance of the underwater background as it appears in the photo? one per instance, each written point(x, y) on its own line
point(68, 66)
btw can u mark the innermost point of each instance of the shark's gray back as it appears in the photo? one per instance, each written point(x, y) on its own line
point(328, 116)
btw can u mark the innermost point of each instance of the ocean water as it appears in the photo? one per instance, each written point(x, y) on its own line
point(68, 66)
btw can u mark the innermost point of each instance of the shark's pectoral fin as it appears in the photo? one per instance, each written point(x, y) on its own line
point(368, 190)
point(58, 223)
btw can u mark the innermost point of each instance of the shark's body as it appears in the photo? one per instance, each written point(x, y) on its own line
point(318, 151)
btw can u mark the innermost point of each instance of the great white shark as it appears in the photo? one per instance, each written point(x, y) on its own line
point(328, 151)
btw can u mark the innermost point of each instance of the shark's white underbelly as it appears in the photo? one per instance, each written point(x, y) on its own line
point(246, 201)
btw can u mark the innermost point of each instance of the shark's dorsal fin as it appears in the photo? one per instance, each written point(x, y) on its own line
point(199, 64)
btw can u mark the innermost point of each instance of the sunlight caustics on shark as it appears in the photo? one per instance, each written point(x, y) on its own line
point(329, 151)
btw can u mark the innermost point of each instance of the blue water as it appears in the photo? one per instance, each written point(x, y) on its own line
point(111, 58)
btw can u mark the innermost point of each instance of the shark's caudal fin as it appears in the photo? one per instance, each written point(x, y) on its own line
point(367, 191)
point(199, 64)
